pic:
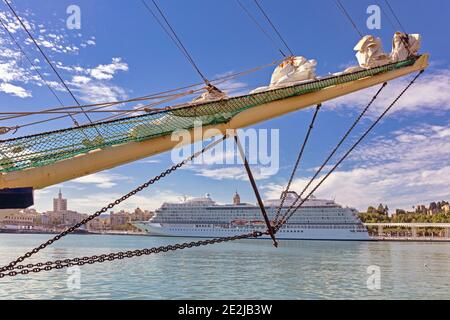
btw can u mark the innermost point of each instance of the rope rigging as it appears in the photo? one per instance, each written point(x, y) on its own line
point(288, 215)
point(297, 162)
point(271, 40)
point(14, 114)
point(174, 37)
point(255, 189)
point(341, 141)
point(14, 269)
point(164, 96)
point(273, 26)
point(45, 56)
point(44, 149)
point(395, 15)
point(387, 17)
point(347, 15)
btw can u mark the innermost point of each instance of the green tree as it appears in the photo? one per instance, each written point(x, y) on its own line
point(371, 210)
point(380, 209)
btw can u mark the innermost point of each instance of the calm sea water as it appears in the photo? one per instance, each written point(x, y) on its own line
point(249, 269)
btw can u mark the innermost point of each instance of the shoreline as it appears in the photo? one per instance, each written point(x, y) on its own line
point(76, 232)
point(121, 233)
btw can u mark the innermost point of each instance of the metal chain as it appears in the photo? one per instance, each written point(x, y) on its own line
point(60, 264)
point(287, 216)
point(109, 206)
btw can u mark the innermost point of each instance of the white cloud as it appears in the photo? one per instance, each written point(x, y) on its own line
point(218, 156)
point(80, 80)
point(107, 71)
point(150, 161)
point(103, 180)
point(92, 84)
point(147, 201)
point(96, 92)
point(232, 87)
point(402, 171)
point(431, 92)
point(14, 90)
point(231, 173)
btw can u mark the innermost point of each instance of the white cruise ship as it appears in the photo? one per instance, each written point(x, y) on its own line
point(204, 218)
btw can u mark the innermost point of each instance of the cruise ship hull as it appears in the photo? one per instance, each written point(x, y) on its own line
point(290, 233)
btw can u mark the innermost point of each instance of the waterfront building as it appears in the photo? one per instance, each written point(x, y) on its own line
point(120, 218)
point(61, 216)
point(236, 199)
point(20, 220)
point(59, 204)
point(140, 215)
point(99, 224)
point(65, 218)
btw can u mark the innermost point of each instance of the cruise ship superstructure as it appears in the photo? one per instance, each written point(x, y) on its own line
point(202, 217)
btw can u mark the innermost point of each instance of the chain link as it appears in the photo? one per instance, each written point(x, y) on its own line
point(59, 264)
point(15, 269)
point(71, 229)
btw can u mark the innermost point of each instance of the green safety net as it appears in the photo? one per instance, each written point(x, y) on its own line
point(49, 147)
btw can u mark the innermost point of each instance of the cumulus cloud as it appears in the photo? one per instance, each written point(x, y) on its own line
point(107, 71)
point(146, 201)
point(97, 91)
point(14, 90)
point(102, 180)
point(231, 173)
point(92, 84)
point(410, 167)
point(431, 93)
point(232, 87)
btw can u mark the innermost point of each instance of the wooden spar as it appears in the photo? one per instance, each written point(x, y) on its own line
point(102, 159)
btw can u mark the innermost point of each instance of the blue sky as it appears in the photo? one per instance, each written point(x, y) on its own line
point(124, 53)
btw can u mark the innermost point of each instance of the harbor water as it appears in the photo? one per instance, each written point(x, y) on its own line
point(247, 269)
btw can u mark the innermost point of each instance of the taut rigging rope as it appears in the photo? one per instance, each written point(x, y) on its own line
point(174, 37)
point(288, 214)
point(395, 15)
point(261, 28)
point(36, 69)
point(387, 17)
point(59, 264)
point(164, 94)
point(66, 263)
point(347, 15)
point(341, 141)
point(273, 26)
point(45, 56)
point(297, 162)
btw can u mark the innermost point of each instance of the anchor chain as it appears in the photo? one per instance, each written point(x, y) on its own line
point(66, 263)
point(59, 264)
point(168, 171)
